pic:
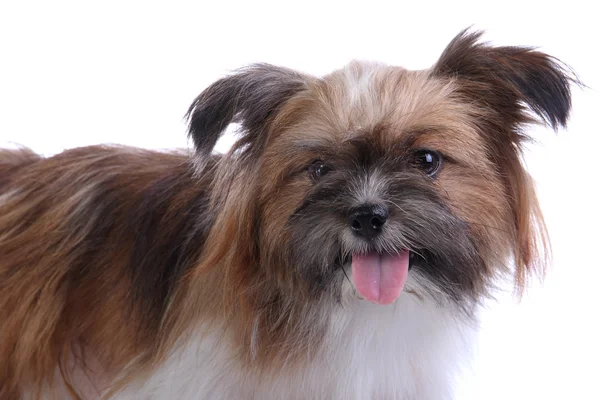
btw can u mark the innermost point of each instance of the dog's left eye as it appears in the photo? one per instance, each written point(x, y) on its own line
point(428, 161)
point(317, 169)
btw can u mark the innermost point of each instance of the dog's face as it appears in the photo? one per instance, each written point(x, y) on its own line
point(373, 171)
point(381, 161)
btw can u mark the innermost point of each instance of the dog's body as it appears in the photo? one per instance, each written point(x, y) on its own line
point(360, 354)
point(280, 270)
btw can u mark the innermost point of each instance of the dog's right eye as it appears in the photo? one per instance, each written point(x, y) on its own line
point(317, 169)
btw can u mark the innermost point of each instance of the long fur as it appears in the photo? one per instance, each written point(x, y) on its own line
point(127, 273)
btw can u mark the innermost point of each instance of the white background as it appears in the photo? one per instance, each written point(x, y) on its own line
point(80, 73)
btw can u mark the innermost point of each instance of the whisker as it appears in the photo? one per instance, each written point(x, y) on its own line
point(396, 204)
point(348, 278)
point(486, 226)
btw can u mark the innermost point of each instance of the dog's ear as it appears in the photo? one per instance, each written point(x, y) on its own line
point(508, 87)
point(507, 78)
point(251, 97)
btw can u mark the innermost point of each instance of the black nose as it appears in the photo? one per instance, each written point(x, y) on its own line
point(368, 220)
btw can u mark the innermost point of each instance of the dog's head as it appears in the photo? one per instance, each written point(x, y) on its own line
point(374, 170)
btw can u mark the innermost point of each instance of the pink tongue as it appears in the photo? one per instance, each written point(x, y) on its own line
point(380, 278)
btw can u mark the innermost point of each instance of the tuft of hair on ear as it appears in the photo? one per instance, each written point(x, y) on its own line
point(508, 77)
point(251, 96)
point(531, 244)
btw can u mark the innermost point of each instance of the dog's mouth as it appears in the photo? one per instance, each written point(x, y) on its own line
point(380, 277)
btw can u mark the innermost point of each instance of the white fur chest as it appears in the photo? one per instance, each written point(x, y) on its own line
point(409, 350)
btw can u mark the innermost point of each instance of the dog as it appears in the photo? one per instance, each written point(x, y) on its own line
point(340, 250)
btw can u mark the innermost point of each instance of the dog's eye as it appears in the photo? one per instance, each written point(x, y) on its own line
point(428, 161)
point(317, 169)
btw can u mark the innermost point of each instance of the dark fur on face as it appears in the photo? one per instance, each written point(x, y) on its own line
point(119, 252)
point(318, 235)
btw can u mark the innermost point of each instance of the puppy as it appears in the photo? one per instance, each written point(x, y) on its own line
point(340, 250)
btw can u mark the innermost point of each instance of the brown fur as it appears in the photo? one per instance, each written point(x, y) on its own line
point(108, 256)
